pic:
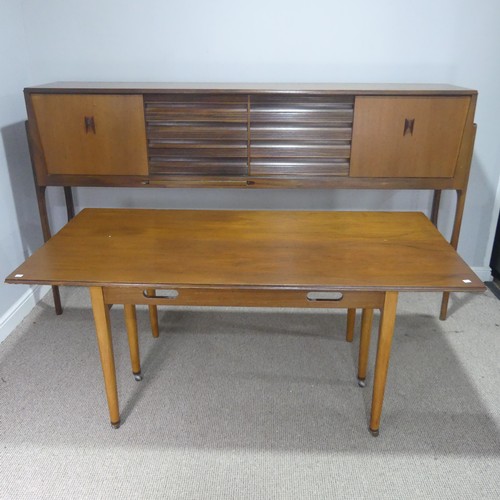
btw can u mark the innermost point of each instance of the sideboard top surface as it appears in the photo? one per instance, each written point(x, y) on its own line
point(259, 88)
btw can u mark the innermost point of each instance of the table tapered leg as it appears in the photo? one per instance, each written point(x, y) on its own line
point(459, 211)
point(436, 201)
point(153, 314)
point(57, 300)
point(364, 345)
point(133, 339)
point(386, 332)
point(444, 306)
point(104, 341)
point(351, 323)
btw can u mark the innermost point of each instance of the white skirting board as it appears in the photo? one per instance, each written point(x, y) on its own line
point(25, 304)
point(20, 309)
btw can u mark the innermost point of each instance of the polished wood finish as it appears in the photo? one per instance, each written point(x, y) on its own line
point(372, 251)
point(42, 206)
point(351, 324)
point(291, 259)
point(92, 134)
point(199, 134)
point(252, 136)
point(386, 333)
point(133, 338)
point(153, 314)
point(364, 343)
point(300, 135)
point(407, 136)
point(242, 297)
point(105, 343)
point(268, 136)
point(257, 88)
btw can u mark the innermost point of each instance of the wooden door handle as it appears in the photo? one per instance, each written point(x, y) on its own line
point(89, 124)
point(409, 123)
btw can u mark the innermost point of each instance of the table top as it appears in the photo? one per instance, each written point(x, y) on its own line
point(366, 251)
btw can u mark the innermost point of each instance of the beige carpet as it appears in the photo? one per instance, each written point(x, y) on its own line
point(252, 404)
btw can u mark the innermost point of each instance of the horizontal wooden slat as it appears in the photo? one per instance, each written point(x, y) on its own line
point(295, 150)
point(189, 166)
point(167, 115)
point(291, 133)
point(199, 151)
point(195, 98)
point(198, 132)
point(243, 298)
point(302, 109)
point(299, 168)
point(320, 117)
point(196, 108)
point(303, 100)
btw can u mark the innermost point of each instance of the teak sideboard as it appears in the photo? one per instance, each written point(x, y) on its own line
point(252, 136)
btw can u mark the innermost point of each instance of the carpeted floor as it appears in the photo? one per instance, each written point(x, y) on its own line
point(253, 404)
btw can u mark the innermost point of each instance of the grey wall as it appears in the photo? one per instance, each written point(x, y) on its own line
point(19, 226)
point(446, 41)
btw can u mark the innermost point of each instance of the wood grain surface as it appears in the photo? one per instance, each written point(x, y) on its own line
point(375, 251)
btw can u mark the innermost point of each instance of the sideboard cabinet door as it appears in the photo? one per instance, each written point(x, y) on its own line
point(407, 136)
point(92, 134)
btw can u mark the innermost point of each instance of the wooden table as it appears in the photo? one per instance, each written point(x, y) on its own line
point(248, 258)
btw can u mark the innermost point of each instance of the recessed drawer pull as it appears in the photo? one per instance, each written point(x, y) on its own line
point(162, 294)
point(325, 296)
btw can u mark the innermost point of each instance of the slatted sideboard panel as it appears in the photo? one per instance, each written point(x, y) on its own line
point(300, 135)
point(198, 134)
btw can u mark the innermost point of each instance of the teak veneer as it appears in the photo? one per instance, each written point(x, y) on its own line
point(248, 258)
point(252, 136)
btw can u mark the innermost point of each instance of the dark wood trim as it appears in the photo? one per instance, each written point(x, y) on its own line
point(252, 182)
point(70, 206)
point(436, 201)
point(254, 88)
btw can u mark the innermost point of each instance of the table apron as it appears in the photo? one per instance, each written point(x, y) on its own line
point(237, 297)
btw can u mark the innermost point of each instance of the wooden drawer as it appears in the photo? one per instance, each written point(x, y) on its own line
point(92, 134)
point(407, 136)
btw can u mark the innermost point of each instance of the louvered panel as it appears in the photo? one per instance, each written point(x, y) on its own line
point(300, 134)
point(197, 134)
